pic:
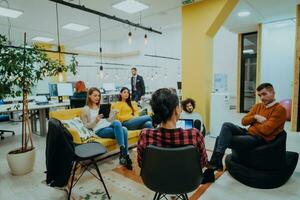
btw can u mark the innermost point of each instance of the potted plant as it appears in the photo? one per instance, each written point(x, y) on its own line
point(20, 69)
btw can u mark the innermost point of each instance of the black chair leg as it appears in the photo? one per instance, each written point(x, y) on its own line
point(186, 196)
point(71, 186)
point(99, 174)
point(154, 198)
point(158, 196)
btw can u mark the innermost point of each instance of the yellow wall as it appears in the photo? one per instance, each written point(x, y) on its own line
point(200, 23)
point(54, 56)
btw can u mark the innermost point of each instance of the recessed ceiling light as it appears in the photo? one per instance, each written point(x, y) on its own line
point(7, 12)
point(130, 6)
point(249, 51)
point(42, 39)
point(75, 27)
point(244, 13)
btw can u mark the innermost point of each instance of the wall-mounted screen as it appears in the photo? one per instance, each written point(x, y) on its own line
point(53, 90)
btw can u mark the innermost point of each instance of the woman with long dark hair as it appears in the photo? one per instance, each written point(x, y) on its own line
point(103, 127)
point(128, 113)
point(166, 109)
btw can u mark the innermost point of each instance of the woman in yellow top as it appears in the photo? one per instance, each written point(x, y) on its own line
point(128, 114)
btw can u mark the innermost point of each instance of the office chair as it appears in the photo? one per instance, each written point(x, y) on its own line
point(4, 118)
point(78, 155)
point(76, 102)
point(171, 170)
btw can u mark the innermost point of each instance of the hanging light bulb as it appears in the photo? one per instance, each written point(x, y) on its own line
point(166, 76)
point(60, 75)
point(101, 72)
point(98, 75)
point(129, 37)
point(145, 39)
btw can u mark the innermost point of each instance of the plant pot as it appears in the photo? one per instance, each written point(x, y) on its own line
point(21, 163)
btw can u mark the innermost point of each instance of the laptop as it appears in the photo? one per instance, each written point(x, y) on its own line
point(185, 123)
point(104, 110)
point(41, 100)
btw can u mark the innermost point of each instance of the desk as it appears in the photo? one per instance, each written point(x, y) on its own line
point(33, 107)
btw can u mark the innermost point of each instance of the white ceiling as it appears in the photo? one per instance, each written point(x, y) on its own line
point(39, 18)
point(262, 11)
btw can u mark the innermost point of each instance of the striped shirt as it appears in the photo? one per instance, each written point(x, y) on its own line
point(171, 138)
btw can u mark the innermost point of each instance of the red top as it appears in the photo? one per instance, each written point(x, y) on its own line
point(171, 138)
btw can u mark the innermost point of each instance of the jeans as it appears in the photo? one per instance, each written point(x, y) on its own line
point(115, 131)
point(227, 131)
point(136, 96)
point(136, 123)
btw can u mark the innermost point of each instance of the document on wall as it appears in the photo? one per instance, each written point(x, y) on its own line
point(220, 82)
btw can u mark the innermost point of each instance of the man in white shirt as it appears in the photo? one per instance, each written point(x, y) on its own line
point(188, 106)
point(137, 85)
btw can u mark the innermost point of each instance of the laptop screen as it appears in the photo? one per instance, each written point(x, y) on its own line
point(184, 123)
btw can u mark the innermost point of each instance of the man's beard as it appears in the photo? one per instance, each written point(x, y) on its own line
point(189, 111)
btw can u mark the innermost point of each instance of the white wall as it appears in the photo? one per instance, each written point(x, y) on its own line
point(225, 58)
point(277, 56)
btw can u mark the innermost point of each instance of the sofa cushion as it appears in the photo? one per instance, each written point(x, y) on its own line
point(77, 125)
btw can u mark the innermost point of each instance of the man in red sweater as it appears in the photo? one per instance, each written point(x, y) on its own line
point(265, 120)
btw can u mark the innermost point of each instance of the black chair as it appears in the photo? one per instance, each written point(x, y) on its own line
point(5, 131)
point(4, 118)
point(88, 151)
point(261, 165)
point(171, 170)
point(83, 154)
point(76, 102)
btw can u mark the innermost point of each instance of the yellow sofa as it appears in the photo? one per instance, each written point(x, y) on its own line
point(110, 144)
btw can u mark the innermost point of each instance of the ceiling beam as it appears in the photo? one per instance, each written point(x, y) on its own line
point(112, 17)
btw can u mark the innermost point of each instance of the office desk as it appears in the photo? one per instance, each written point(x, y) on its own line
point(33, 107)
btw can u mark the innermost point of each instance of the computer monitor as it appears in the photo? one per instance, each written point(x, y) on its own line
point(109, 86)
point(53, 90)
point(64, 89)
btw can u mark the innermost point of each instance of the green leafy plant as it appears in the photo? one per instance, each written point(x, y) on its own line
point(20, 69)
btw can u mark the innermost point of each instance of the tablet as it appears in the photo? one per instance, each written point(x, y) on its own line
point(104, 110)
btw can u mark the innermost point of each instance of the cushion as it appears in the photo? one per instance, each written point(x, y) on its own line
point(264, 179)
point(76, 124)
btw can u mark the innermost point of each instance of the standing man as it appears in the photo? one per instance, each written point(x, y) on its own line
point(137, 85)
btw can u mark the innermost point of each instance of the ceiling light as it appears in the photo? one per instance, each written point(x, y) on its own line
point(7, 12)
point(130, 6)
point(42, 39)
point(248, 51)
point(75, 27)
point(244, 14)
point(145, 39)
point(129, 37)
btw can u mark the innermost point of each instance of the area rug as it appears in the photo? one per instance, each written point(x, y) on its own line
point(122, 184)
point(119, 188)
point(192, 196)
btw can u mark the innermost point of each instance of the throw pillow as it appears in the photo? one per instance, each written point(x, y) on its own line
point(77, 124)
